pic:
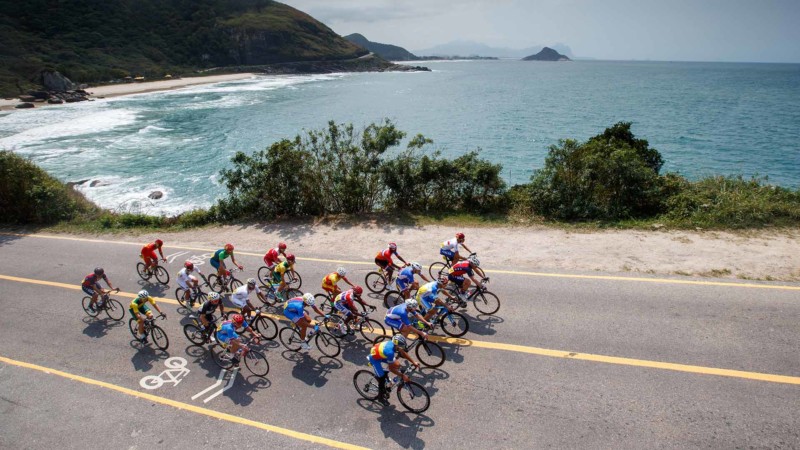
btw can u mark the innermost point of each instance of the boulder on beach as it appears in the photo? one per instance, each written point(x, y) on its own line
point(97, 183)
point(155, 195)
point(55, 81)
point(25, 105)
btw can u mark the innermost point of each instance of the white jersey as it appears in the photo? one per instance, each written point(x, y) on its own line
point(450, 244)
point(185, 278)
point(240, 295)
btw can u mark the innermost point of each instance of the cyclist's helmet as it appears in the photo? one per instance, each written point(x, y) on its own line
point(460, 236)
point(99, 271)
point(392, 246)
point(341, 271)
point(282, 246)
point(308, 298)
point(251, 282)
point(358, 290)
point(412, 303)
point(474, 261)
point(416, 266)
point(144, 294)
point(189, 265)
point(400, 340)
point(238, 319)
point(214, 296)
point(290, 257)
point(228, 248)
point(159, 242)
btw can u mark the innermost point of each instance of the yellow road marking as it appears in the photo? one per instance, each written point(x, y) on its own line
point(758, 376)
point(185, 406)
point(506, 272)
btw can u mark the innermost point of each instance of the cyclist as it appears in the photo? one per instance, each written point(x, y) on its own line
point(188, 282)
point(384, 260)
point(450, 248)
point(405, 279)
point(218, 260)
point(330, 282)
point(149, 254)
point(206, 311)
point(428, 296)
point(387, 352)
point(344, 303)
point(398, 317)
point(272, 257)
point(139, 310)
point(279, 273)
point(457, 273)
point(91, 285)
point(295, 310)
point(241, 296)
point(226, 334)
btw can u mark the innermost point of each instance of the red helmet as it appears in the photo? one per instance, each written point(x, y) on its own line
point(188, 265)
point(237, 319)
point(358, 290)
point(159, 242)
point(228, 248)
point(282, 246)
point(392, 246)
point(290, 257)
point(460, 236)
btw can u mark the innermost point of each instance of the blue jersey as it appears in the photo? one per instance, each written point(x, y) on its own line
point(227, 331)
point(295, 305)
point(399, 312)
point(404, 278)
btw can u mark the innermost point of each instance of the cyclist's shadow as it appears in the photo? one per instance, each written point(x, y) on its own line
point(313, 372)
point(154, 289)
point(356, 351)
point(398, 424)
point(483, 324)
point(146, 355)
point(245, 383)
point(97, 328)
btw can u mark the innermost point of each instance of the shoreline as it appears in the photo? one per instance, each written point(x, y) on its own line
point(122, 89)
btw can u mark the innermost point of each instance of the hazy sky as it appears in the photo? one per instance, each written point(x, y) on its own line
point(686, 30)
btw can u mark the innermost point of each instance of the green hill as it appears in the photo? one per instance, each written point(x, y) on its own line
point(95, 41)
point(386, 51)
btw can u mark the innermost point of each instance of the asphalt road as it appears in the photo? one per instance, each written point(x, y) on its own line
point(570, 360)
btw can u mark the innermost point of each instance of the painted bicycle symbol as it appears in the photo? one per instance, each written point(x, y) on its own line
point(175, 373)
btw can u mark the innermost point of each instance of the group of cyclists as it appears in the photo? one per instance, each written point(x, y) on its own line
point(405, 317)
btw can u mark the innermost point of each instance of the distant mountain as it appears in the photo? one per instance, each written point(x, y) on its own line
point(547, 54)
point(385, 51)
point(469, 48)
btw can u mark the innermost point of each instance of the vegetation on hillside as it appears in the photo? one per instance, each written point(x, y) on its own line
point(95, 41)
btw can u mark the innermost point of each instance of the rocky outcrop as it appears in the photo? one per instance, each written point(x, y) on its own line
point(54, 81)
point(547, 54)
point(155, 195)
point(368, 63)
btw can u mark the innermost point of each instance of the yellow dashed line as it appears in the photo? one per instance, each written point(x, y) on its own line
point(185, 406)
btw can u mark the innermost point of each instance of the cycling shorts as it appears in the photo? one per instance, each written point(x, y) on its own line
point(183, 284)
point(426, 302)
point(458, 280)
point(343, 308)
point(293, 314)
point(144, 309)
point(449, 254)
point(277, 277)
point(89, 290)
point(382, 263)
point(214, 263)
point(394, 323)
point(403, 284)
point(225, 339)
point(240, 302)
point(149, 256)
point(377, 366)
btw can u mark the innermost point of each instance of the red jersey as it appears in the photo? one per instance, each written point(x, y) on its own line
point(385, 255)
point(461, 268)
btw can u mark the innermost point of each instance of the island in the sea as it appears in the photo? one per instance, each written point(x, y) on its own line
point(547, 54)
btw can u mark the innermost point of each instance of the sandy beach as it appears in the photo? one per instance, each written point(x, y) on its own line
point(115, 90)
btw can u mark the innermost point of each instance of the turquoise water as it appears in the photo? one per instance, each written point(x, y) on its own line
point(705, 118)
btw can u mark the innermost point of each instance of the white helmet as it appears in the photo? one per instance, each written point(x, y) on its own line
point(308, 298)
point(474, 260)
point(251, 281)
point(144, 294)
point(412, 303)
point(341, 271)
point(213, 296)
point(416, 266)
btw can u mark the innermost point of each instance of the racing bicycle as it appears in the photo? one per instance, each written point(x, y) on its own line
point(412, 395)
point(150, 330)
point(113, 308)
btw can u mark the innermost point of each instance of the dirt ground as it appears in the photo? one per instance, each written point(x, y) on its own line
point(761, 255)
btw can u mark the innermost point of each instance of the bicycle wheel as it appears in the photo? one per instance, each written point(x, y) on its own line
point(235, 284)
point(256, 363)
point(335, 326)
point(437, 269)
point(159, 337)
point(133, 327)
point(85, 304)
point(292, 293)
point(161, 275)
point(367, 384)
point(327, 344)
point(194, 334)
point(264, 275)
point(179, 296)
point(295, 280)
point(375, 282)
point(414, 397)
point(486, 302)
point(142, 271)
point(266, 327)
point(430, 354)
point(114, 309)
point(221, 357)
point(201, 298)
point(322, 302)
point(290, 339)
point(215, 285)
point(454, 324)
point(371, 329)
point(392, 299)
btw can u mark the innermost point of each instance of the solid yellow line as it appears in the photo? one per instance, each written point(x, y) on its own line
point(506, 272)
point(533, 350)
point(185, 406)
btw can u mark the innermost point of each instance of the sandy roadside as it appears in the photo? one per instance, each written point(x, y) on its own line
point(762, 255)
point(115, 90)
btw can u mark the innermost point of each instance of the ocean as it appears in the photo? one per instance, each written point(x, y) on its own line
point(705, 119)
